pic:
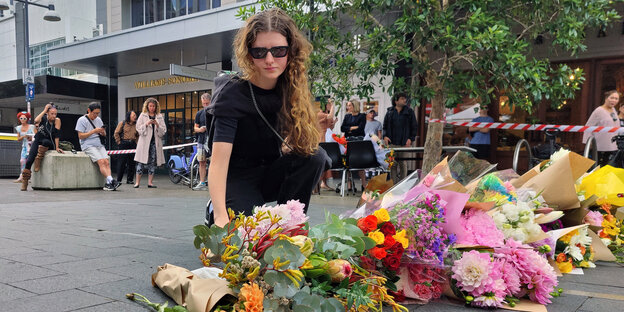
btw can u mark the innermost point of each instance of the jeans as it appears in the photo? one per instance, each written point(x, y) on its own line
point(126, 163)
point(288, 177)
point(35, 148)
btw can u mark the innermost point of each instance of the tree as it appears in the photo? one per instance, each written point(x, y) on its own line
point(476, 48)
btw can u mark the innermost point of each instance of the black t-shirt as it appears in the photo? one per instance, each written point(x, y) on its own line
point(203, 119)
point(236, 121)
point(47, 130)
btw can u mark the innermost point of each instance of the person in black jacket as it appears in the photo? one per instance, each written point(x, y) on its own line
point(265, 141)
point(399, 130)
point(354, 122)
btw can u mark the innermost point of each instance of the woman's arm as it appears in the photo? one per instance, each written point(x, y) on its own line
point(217, 178)
point(43, 112)
point(140, 125)
point(345, 127)
point(117, 133)
point(162, 127)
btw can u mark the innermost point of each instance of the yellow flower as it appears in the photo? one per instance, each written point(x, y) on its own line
point(382, 215)
point(400, 237)
point(565, 267)
point(377, 236)
point(252, 297)
point(584, 264)
point(566, 238)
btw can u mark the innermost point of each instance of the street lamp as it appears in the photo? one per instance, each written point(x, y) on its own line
point(51, 15)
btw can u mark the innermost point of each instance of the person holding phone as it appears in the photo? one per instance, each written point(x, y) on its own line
point(149, 152)
point(202, 122)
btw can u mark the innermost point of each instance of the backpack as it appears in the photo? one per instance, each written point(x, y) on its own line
point(66, 146)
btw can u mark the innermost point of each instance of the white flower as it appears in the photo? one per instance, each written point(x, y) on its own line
point(574, 252)
point(559, 154)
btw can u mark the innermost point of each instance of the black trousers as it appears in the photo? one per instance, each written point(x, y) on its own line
point(288, 177)
point(483, 151)
point(126, 163)
point(35, 148)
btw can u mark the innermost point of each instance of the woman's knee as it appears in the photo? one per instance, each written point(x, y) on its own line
point(320, 159)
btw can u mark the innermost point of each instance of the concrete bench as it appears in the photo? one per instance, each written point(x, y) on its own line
point(67, 171)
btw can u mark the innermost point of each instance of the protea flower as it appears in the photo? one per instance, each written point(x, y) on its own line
point(339, 269)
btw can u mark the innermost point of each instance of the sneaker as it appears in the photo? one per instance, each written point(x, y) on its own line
point(201, 187)
point(209, 220)
point(109, 187)
point(116, 184)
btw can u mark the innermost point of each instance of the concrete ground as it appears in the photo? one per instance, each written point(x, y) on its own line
point(84, 250)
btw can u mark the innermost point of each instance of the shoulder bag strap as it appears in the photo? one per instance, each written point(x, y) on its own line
point(91, 122)
point(253, 98)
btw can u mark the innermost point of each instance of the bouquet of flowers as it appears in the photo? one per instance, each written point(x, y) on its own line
point(492, 189)
point(386, 256)
point(390, 159)
point(517, 221)
point(612, 233)
point(510, 272)
point(574, 250)
point(562, 152)
point(273, 262)
point(340, 139)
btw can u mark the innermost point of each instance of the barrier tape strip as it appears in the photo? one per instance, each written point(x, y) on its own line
point(533, 127)
point(132, 151)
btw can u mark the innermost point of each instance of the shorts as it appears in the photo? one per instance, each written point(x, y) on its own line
point(202, 152)
point(96, 153)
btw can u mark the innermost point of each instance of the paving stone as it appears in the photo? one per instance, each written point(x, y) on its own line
point(118, 290)
point(37, 257)
point(566, 303)
point(57, 283)
point(11, 293)
point(15, 272)
point(603, 275)
point(602, 305)
point(56, 302)
point(116, 306)
point(89, 265)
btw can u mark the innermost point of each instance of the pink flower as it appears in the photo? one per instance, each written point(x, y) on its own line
point(594, 218)
point(339, 269)
point(423, 291)
point(480, 229)
point(472, 271)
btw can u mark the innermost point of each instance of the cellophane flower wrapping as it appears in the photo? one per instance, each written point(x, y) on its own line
point(574, 250)
point(464, 167)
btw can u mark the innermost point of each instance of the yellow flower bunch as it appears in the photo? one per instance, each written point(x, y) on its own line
point(401, 237)
point(382, 215)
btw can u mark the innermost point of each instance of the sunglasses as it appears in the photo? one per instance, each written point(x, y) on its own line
point(260, 53)
point(23, 118)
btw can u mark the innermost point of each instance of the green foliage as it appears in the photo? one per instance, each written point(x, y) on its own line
point(356, 295)
point(283, 250)
point(473, 47)
point(340, 238)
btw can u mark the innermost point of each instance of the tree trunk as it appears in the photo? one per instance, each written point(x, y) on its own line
point(433, 141)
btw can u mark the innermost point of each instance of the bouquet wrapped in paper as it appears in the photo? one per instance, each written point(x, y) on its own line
point(607, 184)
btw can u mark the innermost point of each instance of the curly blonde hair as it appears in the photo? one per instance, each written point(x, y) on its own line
point(146, 103)
point(297, 118)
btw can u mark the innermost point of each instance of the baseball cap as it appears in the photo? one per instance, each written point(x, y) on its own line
point(372, 110)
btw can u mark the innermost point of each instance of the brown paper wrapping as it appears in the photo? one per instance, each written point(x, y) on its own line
point(379, 183)
point(481, 206)
point(173, 281)
point(619, 213)
point(197, 295)
point(517, 183)
point(203, 294)
point(601, 252)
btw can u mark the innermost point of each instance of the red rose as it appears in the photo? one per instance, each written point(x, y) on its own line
point(387, 229)
point(367, 263)
point(377, 253)
point(398, 296)
point(389, 241)
point(367, 224)
point(423, 292)
point(392, 262)
point(396, 249)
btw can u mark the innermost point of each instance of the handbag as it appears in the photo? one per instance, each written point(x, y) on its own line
point(102, 138)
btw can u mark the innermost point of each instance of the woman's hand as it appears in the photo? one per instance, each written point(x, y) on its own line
point(59, 150)
point(222, 221)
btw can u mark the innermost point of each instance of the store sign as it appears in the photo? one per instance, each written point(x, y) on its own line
point(163, 82)
point(192, 72)
point(74, 109)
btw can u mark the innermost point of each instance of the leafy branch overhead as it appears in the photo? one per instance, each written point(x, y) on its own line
point(470, 47)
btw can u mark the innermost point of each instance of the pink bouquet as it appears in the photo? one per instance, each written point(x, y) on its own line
point(480, 229)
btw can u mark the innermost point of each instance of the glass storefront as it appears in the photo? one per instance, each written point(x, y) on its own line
point(179, 111)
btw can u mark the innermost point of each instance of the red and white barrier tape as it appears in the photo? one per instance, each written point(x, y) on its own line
point(132, 151)
point(527, 127)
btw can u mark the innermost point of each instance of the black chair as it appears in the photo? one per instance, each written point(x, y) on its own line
point(333, 151)
point(361, 156)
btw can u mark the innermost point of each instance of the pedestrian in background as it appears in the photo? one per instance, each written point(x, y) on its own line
point(149, 152)
point(252, 161)
point(126, 137)
point(373, 126)
point(326, 122)
point(621, 116)
point(604, 115)
point(25, 133)
point(47, 137)
point(399, 130)
point(202, 122)
point(354, 122)
point(480, 137)
point(92, 134)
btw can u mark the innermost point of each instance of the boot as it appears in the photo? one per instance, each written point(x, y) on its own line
point(25, 178)
point(40, 153)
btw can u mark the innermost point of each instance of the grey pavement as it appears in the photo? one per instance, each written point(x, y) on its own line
point(84, 250)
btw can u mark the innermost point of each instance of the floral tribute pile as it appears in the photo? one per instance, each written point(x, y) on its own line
point(494, 240)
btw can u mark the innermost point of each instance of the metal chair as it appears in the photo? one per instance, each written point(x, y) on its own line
point(333, 151)
point(361, 156)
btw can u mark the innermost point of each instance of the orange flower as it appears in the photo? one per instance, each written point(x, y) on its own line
point(252, 297)
point(561, 257)
point(582, 248)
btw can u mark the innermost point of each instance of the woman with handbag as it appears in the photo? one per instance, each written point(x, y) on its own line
point(126, 137)
point(264, 134)
point(149, 152)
